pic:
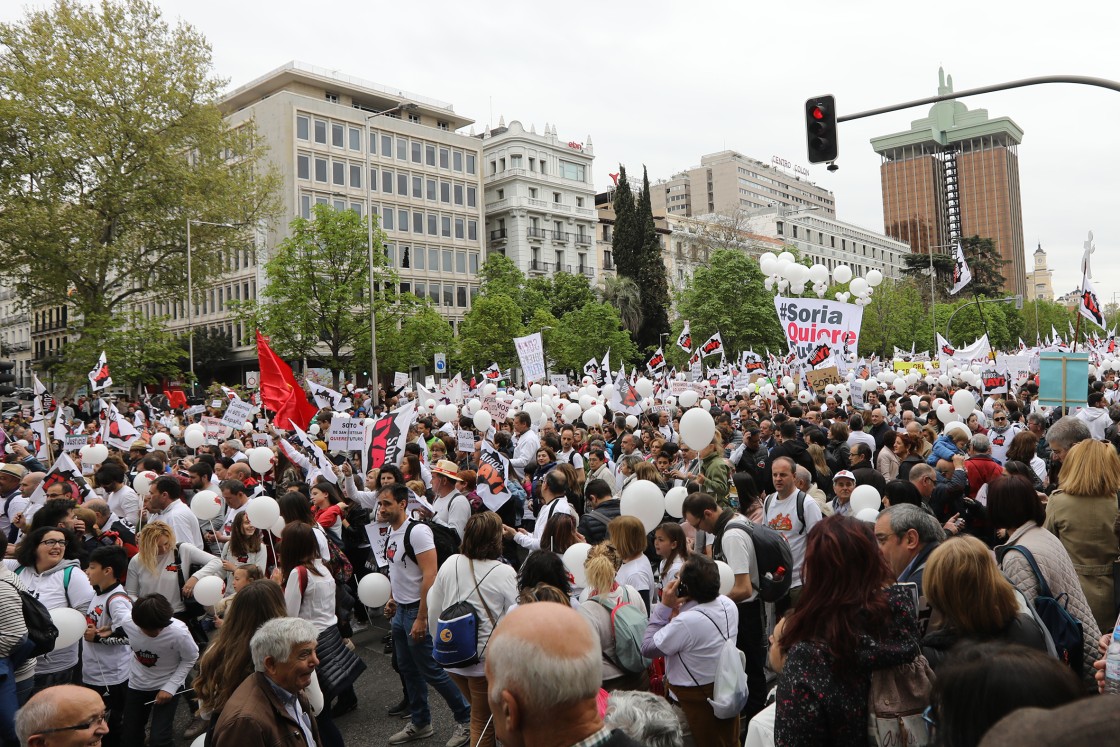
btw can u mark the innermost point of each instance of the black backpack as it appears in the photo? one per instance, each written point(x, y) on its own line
point(1065, 630)
point(41, 630)
point(800, 507)
point(775, 559)
point(446, 539)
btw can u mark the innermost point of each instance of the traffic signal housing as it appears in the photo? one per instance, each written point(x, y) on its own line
point(820, 129)
point(7, 378)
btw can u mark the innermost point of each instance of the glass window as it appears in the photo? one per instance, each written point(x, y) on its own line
point(322, 201)
point(472, 197)
point(405, 258)
point(474, 263)
point(431, 189)
point(416, 148)
point(449, 295)
point(373, 179)
point(387, 146)
point(402, 149)
point(430, 155)
point(448, 260)
point(570, 170)
point(461, 296)
point(515, 161)
point(320, 131)
point(338, 132)
point(357, 207)
point(372, 142)
point(417, 187)
point(303, 166)
point(391, 254)
point(406, 287)
point(339, 205)
point(418, 257)
point(305, 207)
point(459, 227)
point(355, 138)
point(402, 184)
point(460, 262)
point(355, 176)
point(303, 125)
point(458, 160)
point(402, 219)
point(431, 224)
point(321, 170)
point(474, 293)
point(418, 223)
point(339, 173)
point(387, 182)
point(433, 260)
point(433, 293)
point(445, 192)
point(445, 226)
point(444, 154)
point(471, 163)
point(472, 230)
point(458, 194)
point(421, 291)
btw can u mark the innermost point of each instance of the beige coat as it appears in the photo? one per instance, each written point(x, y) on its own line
point(1058, 570)
point(1084, 524)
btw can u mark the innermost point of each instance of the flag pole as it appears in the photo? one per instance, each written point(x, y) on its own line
point(984, 322)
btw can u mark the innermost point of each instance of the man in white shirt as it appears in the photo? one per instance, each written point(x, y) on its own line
point(123, 500)
point(857, 435)
point(164, 503)
point(569, 455)
point(452, 509)
point(525, 444)
point(781, 513)
point(411, 553)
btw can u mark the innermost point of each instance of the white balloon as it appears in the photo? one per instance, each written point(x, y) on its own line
point(574, 559)
point(260, 459)
point(82, 452)
point(900, 385)
point(194, 427)
point(607, 391)
point(71, 626)
point(97, 454)
point(314, 693)
point(489, 390)
point(768, 262)
point(956, 425)
point(644, 500)
point(208, 591)
point(644, 387)
point(945, 413)
point(313, 429)
point(803, 397)
point(474, 406)
point(176, 431)
point(874, 278)
point(374, 590)
point(572, 411)
point(161, 441)
point(674, 501)
point(194, 439)
point(143, 481)
point(535, 390)
point(726, 577)
point(706, 404)
point(688, 398)
point(869, 515)
point(964, 403)
point(842, 273)
point(865, 497)
point(818, 274)
point(206, 505)
point(697, 428)
point(592, 419)
point(631, 421)
point(786, 257)
point(263, 512)
point(247, 426)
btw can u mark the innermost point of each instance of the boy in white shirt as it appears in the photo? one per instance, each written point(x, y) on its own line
point(106, 656)
point(163, 654)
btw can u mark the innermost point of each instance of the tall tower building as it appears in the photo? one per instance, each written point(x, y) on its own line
point(1040, 280)
point(955, 174)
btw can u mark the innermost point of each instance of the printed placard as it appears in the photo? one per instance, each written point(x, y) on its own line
point(238, 412)
point(346, 434)
point(822, 377)
point(465, 440)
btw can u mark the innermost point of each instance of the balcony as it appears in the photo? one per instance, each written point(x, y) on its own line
point(583, 238)
point(540, 268)
point(588, 271)
point(538, 234)
point(498, 235)
point(561, 237)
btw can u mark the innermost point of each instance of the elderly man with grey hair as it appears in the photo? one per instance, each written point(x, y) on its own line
point(907, 534)
point(646, 717)
point(62, 716)
point(1066, 433)
point(804, 482)
point(269, 707)
point(543, 670)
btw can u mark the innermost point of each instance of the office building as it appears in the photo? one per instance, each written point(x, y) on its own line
point(955, 174)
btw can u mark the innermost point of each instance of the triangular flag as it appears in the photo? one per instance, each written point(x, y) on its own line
point(962, 276)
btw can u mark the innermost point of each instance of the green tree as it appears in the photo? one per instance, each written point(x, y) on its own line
point(1040, 317)
point(622, 293)
point(986, 266)
point(213, 347)
point(727, 295)
point(487, 331)
point(113, 140)
point(589, 332)
point(563, 292)
point(651, 276)
point(626, 241)
point(894, 318)
point(140, 351)
point(317, 290)
point(500, 276)
point(968, 325)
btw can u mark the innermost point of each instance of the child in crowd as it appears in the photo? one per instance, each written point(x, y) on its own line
point(671, 546)
point(106, 655)
point(242, 576)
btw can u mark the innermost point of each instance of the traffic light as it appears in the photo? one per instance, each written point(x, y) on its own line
point(820, 129)
point(7, 378)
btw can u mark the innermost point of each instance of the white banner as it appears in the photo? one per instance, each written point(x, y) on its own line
point(818, 328)
point(530, 349)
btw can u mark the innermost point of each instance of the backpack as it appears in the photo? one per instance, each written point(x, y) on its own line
point(41, 630)
point(628, 628)
point(446, 539)
point(729, 689)
point(775, 558)
point(1065, 630)
point(800, 507)
point(456, 643)
point(897, 700)
point(341, 569)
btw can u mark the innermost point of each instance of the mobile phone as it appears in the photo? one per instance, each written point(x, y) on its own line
point(682, 590)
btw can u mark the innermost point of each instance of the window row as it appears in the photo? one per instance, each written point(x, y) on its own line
point(405, 184)
point(447, 295)
point(431, 259)
point(387, 145)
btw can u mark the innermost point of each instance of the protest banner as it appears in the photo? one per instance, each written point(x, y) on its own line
point(822, 377)
point(530, 351)
point(215, 428)
point(75, 443)
point(497, 408)
point(817, 328)
point(994, 382)
point(560, 381)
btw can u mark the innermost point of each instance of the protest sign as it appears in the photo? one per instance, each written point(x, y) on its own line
point(75, 443)
point(1061, 379)
point(560, 381)
point(497, 408)
point(238, 411)
point(262, 439)
point(817, 328)
point(822, 377)
point(465, 440)
point(530, 351)
point(215, 428)
point(994, 382)
point(400, 380)
point(346, 434)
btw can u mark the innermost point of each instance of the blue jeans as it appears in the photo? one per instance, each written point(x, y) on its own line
point(418, 669)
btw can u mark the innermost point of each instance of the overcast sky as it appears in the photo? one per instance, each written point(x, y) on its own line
point(662, 83)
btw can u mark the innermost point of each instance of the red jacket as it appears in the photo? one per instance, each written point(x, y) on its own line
point(981, 470)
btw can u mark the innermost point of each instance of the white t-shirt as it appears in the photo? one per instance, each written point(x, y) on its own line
point(637, 573)
point(163, 662)
point(126, 504)
point(738, 553)
point(452, 510)
point(315, 603)
point(107, 663)
point(782, 516)
point(572, 457)
point(668, 575)
point(405, 576)
point(52, 589)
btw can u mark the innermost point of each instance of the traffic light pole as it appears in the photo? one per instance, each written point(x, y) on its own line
point(1082, 80)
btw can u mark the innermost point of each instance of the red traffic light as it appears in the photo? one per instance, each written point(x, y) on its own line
point(818, 112)
point(820, 128)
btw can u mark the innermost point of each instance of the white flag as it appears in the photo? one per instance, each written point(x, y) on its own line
point(962, 276)
point(1090, 305)
point(99, 377)
point(327, 397)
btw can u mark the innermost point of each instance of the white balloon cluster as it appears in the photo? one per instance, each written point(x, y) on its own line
point(785, 274)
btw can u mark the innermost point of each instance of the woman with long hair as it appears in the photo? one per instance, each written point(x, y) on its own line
point(1023, 449)
point(604, 593)
point(888, 460)
point(477, 576)
point(542, 567)
point(628, 535)
point(1081, 513)
point(845, 626)
point(559, 534)
point(326, 507)
point(838, 453)
point(820, 464)
point(671, 545)
point(963, 585)
point(245, 546)
point(1014, 506)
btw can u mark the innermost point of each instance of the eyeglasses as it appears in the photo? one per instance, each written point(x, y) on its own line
point(999, 420)
point(93, 722)
point(53, 543)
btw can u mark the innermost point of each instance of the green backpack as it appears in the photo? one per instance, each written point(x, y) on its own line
point(628, 626)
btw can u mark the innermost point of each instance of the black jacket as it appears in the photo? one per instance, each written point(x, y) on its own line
point(594, 529)
point(795, 450)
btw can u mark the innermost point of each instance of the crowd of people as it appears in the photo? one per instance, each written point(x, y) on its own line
point(584, 624)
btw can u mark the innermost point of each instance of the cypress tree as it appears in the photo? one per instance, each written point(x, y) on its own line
point(627, 239)
point(651, 277)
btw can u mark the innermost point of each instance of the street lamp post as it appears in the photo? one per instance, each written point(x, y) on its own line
point(374, 383)
point(190, 288)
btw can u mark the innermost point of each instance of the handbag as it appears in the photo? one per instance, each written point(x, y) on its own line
point(456, 643)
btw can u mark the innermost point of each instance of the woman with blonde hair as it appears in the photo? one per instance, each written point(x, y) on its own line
point(1082, 513)
point(628, 535)
point(604, 592)
point(963, 584)
point(820, 464)
point(162, 567)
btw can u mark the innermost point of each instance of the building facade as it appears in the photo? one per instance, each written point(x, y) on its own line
point(955, 174)
point(540, 200)
point(15, 335)
point(1040, 280)
point(729, 183)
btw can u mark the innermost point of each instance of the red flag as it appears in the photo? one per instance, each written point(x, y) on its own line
point(280, 392)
